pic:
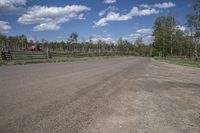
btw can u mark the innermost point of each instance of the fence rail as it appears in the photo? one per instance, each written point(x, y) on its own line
point(28, 55)
point(82, 54)
point(22, 55)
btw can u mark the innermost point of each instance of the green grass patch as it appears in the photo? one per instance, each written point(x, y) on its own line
point(179, 61)
point(54, 60)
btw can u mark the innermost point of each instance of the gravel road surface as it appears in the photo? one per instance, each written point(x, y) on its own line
point(117, 95)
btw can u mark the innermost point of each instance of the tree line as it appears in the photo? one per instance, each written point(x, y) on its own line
point(170, 40)
point(123, 47)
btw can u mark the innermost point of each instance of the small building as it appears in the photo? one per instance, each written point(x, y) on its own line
point(34, 47)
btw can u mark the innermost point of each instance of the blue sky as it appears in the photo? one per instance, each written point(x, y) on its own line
point(102, 19)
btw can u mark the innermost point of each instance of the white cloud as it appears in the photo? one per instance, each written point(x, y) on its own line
point(12, 2)
point(110, 1)
point(145, 31)
point(12, 6)
point(180, 27)
point(145, 6)
point(163, 5)
point(112, 16)
point(132, 37)
point(110, 8)
point(46, 27)
point(30, 38)
point(4, 27)
point(148, 39)
point(101, 13)
point(50, 18)
point(105, 38)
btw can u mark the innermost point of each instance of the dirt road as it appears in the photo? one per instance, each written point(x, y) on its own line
point(119, 95)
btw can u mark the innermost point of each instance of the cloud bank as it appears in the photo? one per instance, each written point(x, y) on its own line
point(163, 5)
point(51, 18)
point(12, 6)
point(113, 16)
point(135, 11)
point(145, 31)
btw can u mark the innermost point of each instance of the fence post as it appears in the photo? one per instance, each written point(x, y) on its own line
point(47, 52)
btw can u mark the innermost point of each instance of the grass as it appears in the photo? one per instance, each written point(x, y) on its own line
point(53, 60)
point(179, 61)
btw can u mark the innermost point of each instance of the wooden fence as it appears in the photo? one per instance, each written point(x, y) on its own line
point(28, 55)
point(71, 54)
point(23, 55)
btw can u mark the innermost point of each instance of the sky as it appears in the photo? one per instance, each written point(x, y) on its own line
point(108, 20)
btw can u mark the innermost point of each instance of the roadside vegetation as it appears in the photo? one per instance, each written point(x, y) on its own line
point(179, 61)
point(53, 60)
point(173, 45)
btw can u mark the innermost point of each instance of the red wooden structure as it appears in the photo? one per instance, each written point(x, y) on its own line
point(34, 47)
